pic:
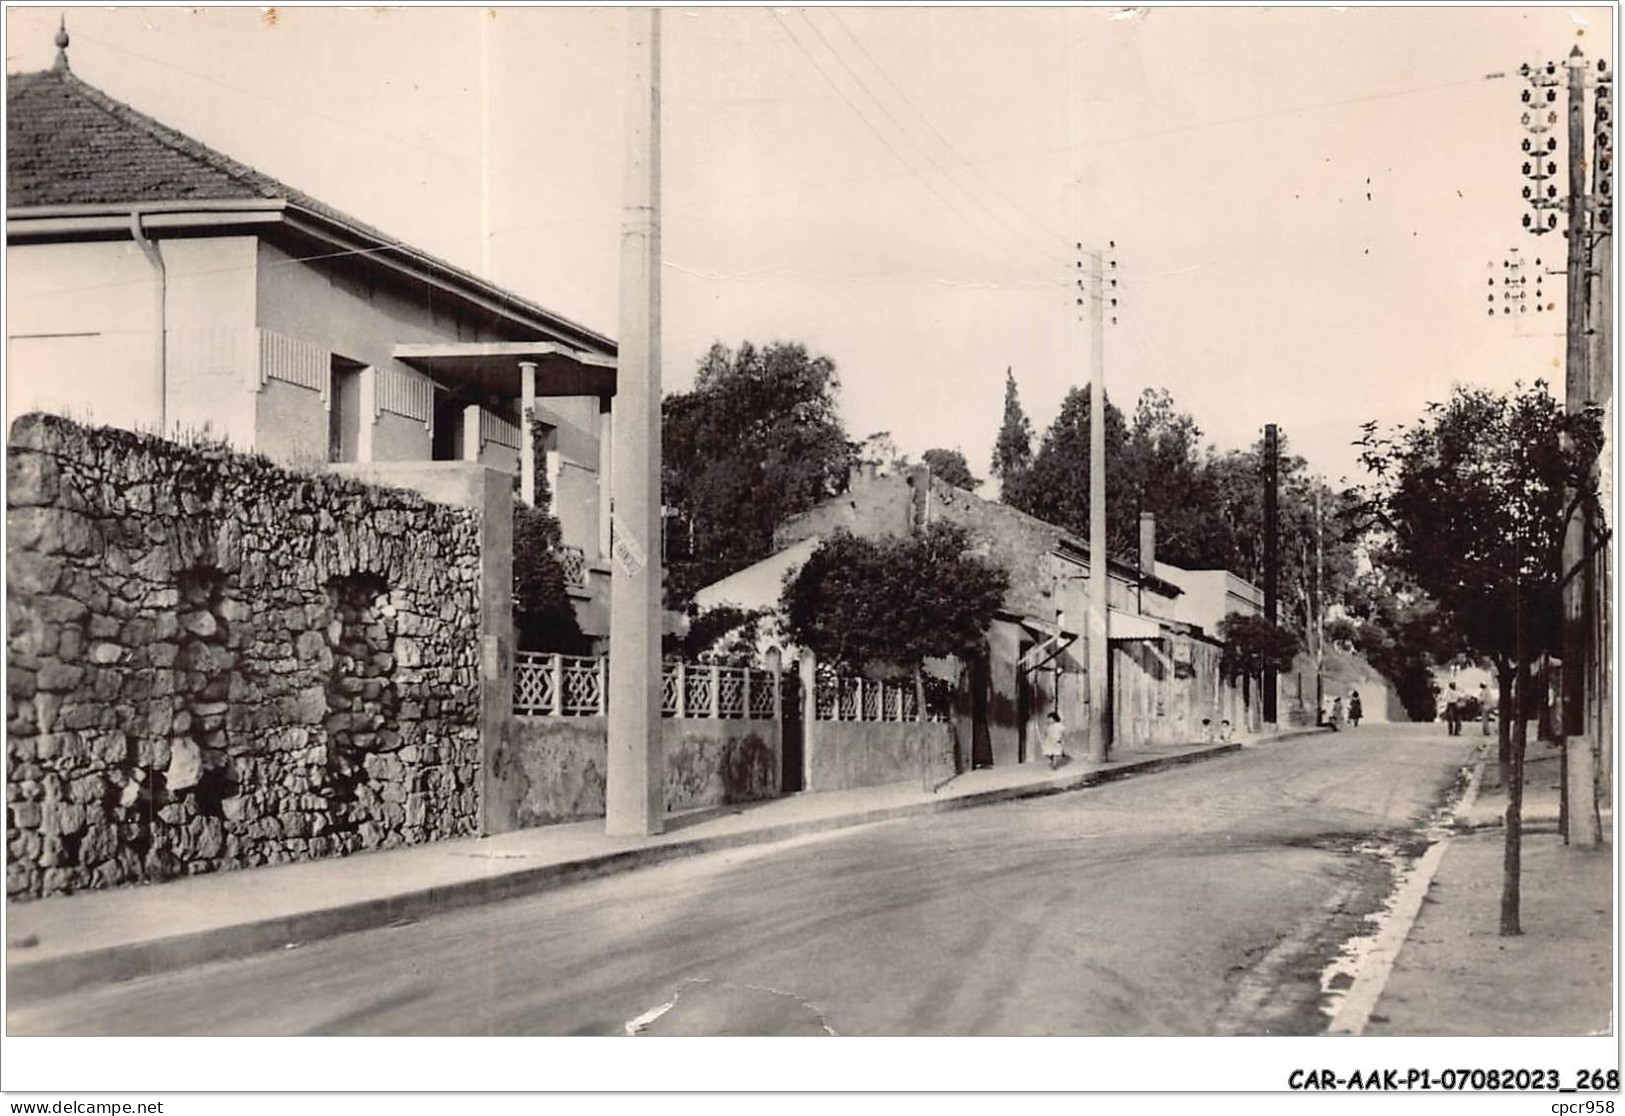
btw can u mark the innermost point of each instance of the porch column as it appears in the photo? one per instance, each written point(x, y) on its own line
point(369, 413)
point(471, 432)
point(527, 447)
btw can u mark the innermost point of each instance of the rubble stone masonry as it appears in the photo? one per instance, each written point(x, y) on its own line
point(215, 662)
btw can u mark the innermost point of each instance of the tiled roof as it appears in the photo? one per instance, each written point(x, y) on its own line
point(68, 143)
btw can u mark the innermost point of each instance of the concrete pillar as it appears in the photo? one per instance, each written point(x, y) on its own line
point(471, 432)
point(527, 447)
point(495, 495)
point(553, 461)
point(606, 473)
point(1584, 822)
point(369, 413)
point(808, 665)
point(634, 793)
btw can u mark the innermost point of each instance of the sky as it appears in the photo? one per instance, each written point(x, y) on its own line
point(1305, 201)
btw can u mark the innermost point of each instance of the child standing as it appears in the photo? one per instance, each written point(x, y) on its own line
point(1053, 750)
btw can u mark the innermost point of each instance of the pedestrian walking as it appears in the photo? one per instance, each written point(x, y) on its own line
point(1053, 745)
point(1337, 713)
point(1484, 707)
point(1452, 710)
point(1355, 712)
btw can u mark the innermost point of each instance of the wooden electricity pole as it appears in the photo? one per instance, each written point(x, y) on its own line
point(634, 792)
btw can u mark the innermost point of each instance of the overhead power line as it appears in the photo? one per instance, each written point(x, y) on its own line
point(1053, 256)
point(881, 136)
point(959, 156)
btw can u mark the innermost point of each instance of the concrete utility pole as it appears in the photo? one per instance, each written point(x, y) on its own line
point(1099, 563)
point(1320, 604)
point(1602, 395)
point(1583, 670)
point(1272, 566)
point(634, 793)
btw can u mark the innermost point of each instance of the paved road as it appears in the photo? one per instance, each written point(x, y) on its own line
point(1201, 900)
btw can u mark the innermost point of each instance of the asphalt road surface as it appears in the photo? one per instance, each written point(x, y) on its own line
point(1201, 900)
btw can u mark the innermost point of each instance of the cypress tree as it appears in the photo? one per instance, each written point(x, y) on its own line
point(1013, 452)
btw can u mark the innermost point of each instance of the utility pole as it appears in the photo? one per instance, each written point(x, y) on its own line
point(634, 792)
point(1586, 716)
point(1272, 565)
point(1585, 685)
point(1320, 605)
point(1099, 290)
point(1582, 825)
point(1601, 312)
point(1099, 631)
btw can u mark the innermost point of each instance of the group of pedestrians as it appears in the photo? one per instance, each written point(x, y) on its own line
point(1455, 704)
point(1333, 713)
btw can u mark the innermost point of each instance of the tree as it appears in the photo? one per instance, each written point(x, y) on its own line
point(1013, 451)
point(1401, 633)
point(544, 617)
point(724, 634)
point(1316, 541)
point(1342, 632)
point(858, 602)
point(758, 440)
point(1055, 488)
point(1252, 646)
point(1472, 499)
point(880, 452)
point(950, 467)
point(1164, 473)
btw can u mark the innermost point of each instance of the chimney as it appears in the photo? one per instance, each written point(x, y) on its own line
point(1148, 544)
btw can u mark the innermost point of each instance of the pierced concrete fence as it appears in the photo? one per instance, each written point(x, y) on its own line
point(722, 725)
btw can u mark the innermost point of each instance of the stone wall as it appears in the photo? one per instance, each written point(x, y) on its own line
point(845, 754)
point(215, 662)
point(553, 768)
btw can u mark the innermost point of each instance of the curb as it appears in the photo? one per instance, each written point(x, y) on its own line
point(1353, 1012)
point(43, 980)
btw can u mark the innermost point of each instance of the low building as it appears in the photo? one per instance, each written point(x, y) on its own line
point(156, 284)
point(1208, 596)
point(1165, 668)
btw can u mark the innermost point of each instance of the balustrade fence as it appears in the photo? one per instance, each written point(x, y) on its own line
point(869, 699)
point(547, 685)
point(550, 685)
point(572, 561)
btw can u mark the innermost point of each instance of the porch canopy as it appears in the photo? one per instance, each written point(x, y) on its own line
point(1128, 625)
point(494, 367)
point(522, 370)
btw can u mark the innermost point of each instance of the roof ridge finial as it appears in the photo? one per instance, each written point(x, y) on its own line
point(61, 45)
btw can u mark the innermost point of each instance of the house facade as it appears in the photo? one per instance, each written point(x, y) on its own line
point(158, 285)
point(1165, 667)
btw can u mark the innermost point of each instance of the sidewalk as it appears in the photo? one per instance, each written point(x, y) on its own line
point(1456, 975)
point(59, 944)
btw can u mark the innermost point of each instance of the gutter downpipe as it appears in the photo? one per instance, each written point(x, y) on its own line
point(149, 248)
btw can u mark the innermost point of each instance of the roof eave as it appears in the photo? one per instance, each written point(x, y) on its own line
point(46, 223)
point(403, 257)
point(106, 220)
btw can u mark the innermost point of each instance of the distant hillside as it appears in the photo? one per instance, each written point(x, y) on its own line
point(1342, 672)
